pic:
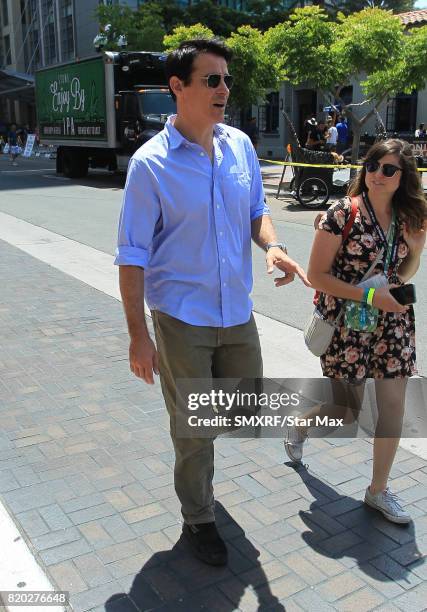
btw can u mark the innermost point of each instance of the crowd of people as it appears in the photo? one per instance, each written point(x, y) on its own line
point(193, 202)
point(326, 135)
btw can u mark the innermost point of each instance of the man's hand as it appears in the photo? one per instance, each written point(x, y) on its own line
point(144, 359)
point(276, 257)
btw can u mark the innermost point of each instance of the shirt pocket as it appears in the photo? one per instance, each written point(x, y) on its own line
point(235, 188)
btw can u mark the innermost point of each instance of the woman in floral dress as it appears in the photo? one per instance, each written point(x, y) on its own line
point(388, 192)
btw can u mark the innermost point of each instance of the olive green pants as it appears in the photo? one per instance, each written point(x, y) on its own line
point(189, 351)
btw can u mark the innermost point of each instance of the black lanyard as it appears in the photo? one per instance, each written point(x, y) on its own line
point(390, 244)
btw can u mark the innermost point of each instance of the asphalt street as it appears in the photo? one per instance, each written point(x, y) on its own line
point(87, 211)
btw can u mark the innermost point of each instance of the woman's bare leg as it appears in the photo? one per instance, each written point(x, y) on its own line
point(390, 394)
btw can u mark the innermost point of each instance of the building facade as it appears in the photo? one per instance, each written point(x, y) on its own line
point(401, 113)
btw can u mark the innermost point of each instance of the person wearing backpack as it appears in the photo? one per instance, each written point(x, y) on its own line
point(374, 334)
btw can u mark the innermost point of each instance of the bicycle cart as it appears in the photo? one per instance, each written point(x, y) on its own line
point(313, 186)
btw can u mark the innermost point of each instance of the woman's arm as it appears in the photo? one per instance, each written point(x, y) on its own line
point(411, 263)
point(324, 250)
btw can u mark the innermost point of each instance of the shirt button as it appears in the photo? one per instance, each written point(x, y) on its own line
point(223, 260)
point(218, 206)
point(202, 154)
point(225, 284)
point(220, 233)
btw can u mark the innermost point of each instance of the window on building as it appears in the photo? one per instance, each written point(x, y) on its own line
point(67, 29)
point(402, 113)
point(7, 50)
point(4, 12)
point(268, 115)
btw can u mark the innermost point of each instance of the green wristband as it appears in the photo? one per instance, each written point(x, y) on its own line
point(370, 296)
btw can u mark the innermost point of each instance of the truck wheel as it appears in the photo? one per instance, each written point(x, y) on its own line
point(73, 166)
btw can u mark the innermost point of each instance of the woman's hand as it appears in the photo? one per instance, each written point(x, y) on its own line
point(415, 239)
point(383, 300)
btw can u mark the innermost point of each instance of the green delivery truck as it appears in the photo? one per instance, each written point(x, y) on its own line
point(99, 110)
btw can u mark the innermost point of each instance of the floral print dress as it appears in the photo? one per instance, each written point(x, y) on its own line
point(387, 352)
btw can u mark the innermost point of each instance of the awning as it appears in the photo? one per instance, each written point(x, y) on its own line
point(17, 86)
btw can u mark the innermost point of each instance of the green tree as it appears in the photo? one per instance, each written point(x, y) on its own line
point(144, 29)
point(371, 43)
point(182, 33)
point(253, 70)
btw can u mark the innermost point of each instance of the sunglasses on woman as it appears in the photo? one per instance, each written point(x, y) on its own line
point(213, 80)
point(388, 170)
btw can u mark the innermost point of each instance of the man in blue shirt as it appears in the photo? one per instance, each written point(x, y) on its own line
point(193, 200)
point(342, 129)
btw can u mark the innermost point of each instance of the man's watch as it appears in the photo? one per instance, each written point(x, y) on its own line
point(280, 245)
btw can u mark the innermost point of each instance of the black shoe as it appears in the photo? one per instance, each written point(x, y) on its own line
point(206, 543)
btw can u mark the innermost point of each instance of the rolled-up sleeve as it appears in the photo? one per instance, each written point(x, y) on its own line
point(139, 215)
point(258, 203)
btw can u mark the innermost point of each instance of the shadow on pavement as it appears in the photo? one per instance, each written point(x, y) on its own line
point(360, 533)
point(174, 580)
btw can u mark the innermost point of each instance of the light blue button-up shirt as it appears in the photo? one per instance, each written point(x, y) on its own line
point(187, 222)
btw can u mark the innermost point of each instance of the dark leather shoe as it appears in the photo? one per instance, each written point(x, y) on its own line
point(206, 543)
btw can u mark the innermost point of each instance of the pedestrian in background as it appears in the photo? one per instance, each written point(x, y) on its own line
point(420, 132)
point(331, 135)
point(342, 129)
point(192, 202)
point(14, 144)
point(389, 231)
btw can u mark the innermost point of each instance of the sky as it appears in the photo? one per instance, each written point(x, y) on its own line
point(421, 4)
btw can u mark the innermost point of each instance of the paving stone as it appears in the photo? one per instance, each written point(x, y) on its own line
point(143, 512)
point(96, 535)
point(414, 600)
point(91, 514)
point(156, 523)
point(311, 574)
point(362, 600)
point(339, 586)
point(310, 600)
point(32, 523)
point(97, 596)
point(67, 577)
point(399, 574)
point(55, 555)
point(92, 569)
point(56, 538)
point(55, 517)
point(119, 500)
point(83, 502)
point(283, 587)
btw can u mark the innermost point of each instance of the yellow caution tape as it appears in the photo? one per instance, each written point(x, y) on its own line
point(300, 164)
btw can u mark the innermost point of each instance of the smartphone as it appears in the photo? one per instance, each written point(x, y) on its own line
point(405, 294)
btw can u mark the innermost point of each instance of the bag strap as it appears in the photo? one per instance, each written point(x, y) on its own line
point(344, 235)
point(349, 224)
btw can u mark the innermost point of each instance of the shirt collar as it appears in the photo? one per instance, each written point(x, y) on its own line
point(176, 139)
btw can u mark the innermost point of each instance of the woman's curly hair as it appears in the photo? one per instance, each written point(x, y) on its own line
point(409, 199)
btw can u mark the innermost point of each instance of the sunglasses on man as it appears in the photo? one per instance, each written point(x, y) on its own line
point(388, 170)
point(213, 80)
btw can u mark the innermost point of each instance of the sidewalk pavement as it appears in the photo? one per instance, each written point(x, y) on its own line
point(86, 472)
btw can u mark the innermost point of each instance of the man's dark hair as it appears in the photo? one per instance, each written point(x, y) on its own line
point(180, 61)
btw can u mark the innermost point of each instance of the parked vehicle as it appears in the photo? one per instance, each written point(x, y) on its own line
point(99, 110)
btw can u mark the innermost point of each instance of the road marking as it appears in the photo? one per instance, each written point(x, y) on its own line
point(22, 171)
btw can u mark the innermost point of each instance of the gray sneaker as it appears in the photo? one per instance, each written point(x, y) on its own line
point(294, 443)
point(388, 503)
